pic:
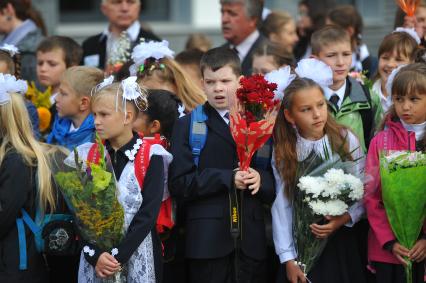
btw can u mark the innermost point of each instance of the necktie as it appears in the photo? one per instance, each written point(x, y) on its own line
point(227, 117)
point(334, 99)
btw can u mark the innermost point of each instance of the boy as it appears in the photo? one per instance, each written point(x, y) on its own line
point(350, 102)
point(209, 185)
point(75, 124)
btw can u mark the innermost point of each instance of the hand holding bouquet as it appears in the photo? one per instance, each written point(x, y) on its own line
point(403, 179)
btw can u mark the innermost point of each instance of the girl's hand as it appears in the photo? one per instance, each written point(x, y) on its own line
point(239, 180)
point(106, 265)
point(335, 222)
point(252, 180)
point(418, 252)
point(294, 273)
point(400, 252)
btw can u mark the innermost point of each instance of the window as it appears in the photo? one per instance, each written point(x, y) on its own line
point(89, 10)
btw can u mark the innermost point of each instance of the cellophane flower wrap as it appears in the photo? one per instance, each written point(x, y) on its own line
point(403, 181)
point(324, 189)
point(252, 117)
point(90, 191)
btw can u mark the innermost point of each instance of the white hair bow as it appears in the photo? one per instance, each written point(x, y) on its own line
point(9, 84)
point(282, 78)
point(151, 49)
point(133, 92)
point(411, 31)
point(10, 48)
point(315, 70)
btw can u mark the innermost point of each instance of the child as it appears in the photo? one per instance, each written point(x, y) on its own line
point(21, 158)
point(10, 63)
point(270, 57)
point(189, 60)
point(404, 129)
point(156, 69)
point(348, 18)
point(350, 102)
point(304, 130)
point(395, 50)
point(207, 185)
point(159, 117)
point(115, 110)
point(280, 28)
point(74, 125)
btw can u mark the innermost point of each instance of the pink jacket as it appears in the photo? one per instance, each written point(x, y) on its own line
point(394, 137)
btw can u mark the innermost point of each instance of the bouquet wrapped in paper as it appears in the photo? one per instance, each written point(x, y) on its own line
point(324, 191)
point(90, 190)
point(252, 118)
point(403, 180)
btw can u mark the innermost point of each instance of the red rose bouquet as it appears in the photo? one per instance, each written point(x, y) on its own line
point(252, 117)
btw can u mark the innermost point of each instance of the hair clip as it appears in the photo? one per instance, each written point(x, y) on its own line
point(9, 84)
point(411, 31)
point(10, 48)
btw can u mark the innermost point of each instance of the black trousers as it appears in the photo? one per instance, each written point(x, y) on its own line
point(221, 270)
point(395, 273)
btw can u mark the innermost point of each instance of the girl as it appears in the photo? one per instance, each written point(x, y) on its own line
point(140, 249)
point(21, 158)
point(270, 57)
point(159, 117)
point(156, 69)
point(395, 50)
point(348, 18)
point(304, 133)
point(10, 63)
point(403, 129)
point(280, 28)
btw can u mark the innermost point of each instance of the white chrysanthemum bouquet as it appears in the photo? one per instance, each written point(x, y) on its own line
point(332, 193)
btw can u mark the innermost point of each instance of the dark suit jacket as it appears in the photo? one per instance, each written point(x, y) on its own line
point(96, 45)
point(205, 191)
point(246, 64)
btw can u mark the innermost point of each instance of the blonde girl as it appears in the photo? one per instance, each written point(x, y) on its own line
point(21, 158)
point(115, 107)
point(156, 69)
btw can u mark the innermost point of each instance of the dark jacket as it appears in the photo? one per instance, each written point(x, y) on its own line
point(205, 191)
point(17, 191)
point(246, 64)
point(96, 46)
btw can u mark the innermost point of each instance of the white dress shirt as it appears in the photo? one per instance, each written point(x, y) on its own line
point(244, 47)
point(386, 102)
point(340, 93)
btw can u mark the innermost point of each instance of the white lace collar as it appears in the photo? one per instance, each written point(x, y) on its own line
point(418, 129)
point(132, 153)
point(304, 147)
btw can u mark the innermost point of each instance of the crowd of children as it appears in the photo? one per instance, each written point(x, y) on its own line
point(165, 128)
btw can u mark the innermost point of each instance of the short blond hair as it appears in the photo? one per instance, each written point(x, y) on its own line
point(82, 79)
point(326, 36)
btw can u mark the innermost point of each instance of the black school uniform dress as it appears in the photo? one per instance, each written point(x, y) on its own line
point(205, 192)
point(141, 247)
point(17, 191)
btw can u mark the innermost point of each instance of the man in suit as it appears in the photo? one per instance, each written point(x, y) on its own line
point(240, 19)
point(122, 16)
point(211, 186)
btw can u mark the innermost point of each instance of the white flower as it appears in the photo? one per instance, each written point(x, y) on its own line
point(356, 187)
point(335, 177)
point(311, 185)
point(114, 252)
point(333, 207)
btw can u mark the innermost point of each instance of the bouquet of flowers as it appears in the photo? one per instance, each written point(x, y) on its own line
point(324, 191)
point(403, 180)
point(41, 101)
point(120, 54)
point(252, 118)
point(90, 190)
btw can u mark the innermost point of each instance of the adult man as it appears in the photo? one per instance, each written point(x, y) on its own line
point(122, 16)
point(240, 19)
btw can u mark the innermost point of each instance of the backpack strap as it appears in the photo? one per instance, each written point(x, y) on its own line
point(198, 132)
point(22, 241)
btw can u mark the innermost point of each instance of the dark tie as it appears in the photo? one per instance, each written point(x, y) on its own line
point(227, 117)
point(235, 50)
point(334, 99)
